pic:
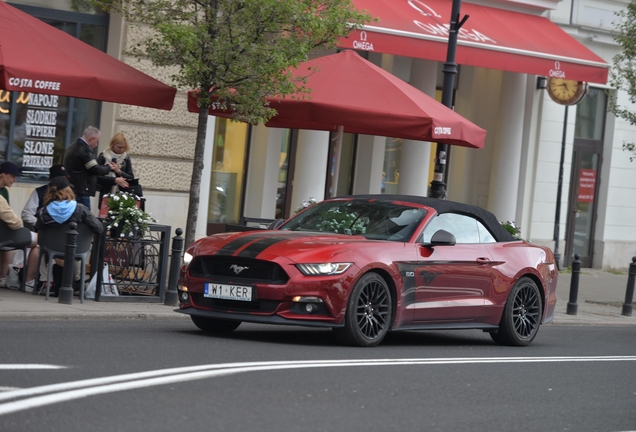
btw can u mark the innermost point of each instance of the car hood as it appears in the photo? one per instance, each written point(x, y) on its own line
point(268, 245)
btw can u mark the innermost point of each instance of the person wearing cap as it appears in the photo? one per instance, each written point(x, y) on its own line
point(83, 169)
point(60, 207)
point(36, 199)
point(9, 173)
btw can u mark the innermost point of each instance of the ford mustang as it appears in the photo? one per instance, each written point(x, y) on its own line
point(368, 264)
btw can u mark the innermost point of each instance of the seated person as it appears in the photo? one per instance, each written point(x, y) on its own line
point(36, 200)
point(21, 237)
point(60, 207)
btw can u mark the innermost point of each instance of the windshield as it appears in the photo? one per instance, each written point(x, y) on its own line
point(377, 220)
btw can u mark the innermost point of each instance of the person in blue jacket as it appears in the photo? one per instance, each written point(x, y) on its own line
point(60, 207)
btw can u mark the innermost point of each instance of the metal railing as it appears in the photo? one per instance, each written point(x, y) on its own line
point(138, 265)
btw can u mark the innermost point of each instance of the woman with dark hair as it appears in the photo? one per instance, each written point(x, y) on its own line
point(60, 207)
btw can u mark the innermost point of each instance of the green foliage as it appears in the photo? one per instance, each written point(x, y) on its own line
point(235, 52)
point(513, 229)
point(239, 49)
point(623, 72)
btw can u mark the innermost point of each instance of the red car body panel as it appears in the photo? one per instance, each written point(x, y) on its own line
point(463, 285)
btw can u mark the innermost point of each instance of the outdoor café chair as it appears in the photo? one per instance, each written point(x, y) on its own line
point(52, 242)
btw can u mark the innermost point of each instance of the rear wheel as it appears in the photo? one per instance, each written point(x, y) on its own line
point(521, 316)
point(215, 326)
point(368, 316)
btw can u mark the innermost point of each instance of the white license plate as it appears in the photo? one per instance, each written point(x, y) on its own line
point(228, 292)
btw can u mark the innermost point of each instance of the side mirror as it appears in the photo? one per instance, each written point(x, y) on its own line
point(442, 238)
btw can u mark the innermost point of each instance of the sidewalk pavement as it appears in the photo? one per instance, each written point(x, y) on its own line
point(600, 300)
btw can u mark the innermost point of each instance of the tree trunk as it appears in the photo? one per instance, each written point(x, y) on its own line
point(195, 183)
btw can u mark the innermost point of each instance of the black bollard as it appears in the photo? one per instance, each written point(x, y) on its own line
point(172, 296)
point(66, 290)
point(574, 286)
point(629, 293)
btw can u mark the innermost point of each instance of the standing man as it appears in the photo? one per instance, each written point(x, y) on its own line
point(83, 169)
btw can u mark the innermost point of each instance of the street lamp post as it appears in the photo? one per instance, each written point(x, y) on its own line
point(438, 186)
point(557, 215)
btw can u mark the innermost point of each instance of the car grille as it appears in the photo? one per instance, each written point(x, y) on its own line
point(237, 269)
point(234, 306)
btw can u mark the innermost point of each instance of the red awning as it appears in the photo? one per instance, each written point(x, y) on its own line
point(491, 38)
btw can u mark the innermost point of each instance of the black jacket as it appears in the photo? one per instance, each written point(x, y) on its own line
point(106, 182)
point(82, 168)
point(81, 215)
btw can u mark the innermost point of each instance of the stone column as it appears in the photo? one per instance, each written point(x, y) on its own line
point(310, 172)
point(506, 158)
point(416, 155)
point(206, 175)
point(262, 175)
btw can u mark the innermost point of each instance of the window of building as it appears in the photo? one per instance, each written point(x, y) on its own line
point(590, 115)
point(228, 171)
point(35, 129)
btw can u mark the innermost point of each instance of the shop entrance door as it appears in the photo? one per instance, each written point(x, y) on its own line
point(579, 236)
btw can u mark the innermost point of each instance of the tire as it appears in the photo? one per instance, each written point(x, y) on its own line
point(215, 326)
point(369, 312)
point(521, 316)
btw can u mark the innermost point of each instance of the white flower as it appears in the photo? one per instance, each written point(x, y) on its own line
point(115, 224)
point(116, 198)
point(121, 235)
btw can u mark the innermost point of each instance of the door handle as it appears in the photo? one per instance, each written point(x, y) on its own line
point(483, 260)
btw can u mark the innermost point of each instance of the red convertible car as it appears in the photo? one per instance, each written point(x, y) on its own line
point(369, 264)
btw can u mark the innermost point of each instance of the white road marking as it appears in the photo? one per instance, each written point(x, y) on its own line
point(56, 393)
point(29, 366)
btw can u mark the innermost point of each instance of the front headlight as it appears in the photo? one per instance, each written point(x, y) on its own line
point(187, 258)
point(323, 269)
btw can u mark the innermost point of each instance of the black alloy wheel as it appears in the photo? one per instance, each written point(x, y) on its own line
point(215, 326)
point(369, 312)
point(522, 315)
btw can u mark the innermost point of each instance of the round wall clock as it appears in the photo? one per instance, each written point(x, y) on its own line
point(566, 92)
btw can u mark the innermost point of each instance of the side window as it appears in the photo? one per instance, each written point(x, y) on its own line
point(484, 234)
point(464, 228)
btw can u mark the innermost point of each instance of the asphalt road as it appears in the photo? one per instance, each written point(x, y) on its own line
point(165, 375)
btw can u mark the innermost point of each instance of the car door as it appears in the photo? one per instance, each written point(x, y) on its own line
point(453, 282)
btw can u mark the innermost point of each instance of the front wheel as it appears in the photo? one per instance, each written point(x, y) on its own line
point(521, 316)
point(215, 326)
point(369, 311)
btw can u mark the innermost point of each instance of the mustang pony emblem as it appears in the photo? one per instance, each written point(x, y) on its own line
point(237, 269)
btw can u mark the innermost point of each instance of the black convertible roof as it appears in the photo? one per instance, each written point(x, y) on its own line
point(443, 206)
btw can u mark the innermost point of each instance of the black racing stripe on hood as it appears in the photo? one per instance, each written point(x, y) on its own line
point(233, 246)
point(253, 250)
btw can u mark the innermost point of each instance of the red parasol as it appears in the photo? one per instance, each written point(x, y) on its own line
point(36, 57)
point(352, 94)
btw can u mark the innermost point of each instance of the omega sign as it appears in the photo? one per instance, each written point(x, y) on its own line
point(557, 72)
point(362, 44)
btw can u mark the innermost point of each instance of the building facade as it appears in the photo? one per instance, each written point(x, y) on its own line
point(259, 172)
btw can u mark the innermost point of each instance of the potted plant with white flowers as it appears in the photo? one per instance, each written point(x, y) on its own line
point(124, 218)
